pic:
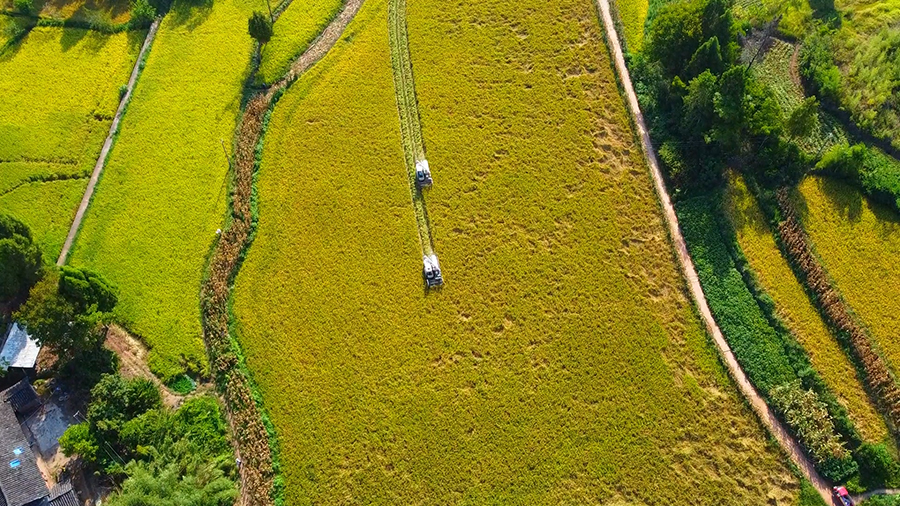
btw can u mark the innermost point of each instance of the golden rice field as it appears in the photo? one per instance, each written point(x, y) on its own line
point(295, 30)
point(859, 244)
point(795, 309)
point(561, 363)
point(154, 216)
point(60, 90)
point(111, 11)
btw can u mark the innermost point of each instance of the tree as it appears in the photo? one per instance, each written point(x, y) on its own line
point(707, 57)
point(804, 119)
point(66, 309)
point(21, 262)
point(142, 12)
point(260, 27)
point(699, 115)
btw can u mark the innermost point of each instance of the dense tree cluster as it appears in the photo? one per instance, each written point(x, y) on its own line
point(706, 109)
point(162, 457)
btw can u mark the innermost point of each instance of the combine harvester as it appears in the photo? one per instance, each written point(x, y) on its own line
point(431, 268)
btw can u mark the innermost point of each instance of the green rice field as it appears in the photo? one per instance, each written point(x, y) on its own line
point(561, 363)
point(155, 214)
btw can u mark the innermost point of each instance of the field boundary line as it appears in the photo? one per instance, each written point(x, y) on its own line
point(765, 413)
point(107, 144)
point(410, 121)
point(255, 439)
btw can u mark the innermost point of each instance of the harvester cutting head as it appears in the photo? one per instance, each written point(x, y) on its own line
point(432, 271)
point(423, 174)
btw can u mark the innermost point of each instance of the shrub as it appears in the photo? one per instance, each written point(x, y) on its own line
point(877, 466)
point(20, 259)
point(818, 69)
point(808, 417)
point(142, 13)
point(24, 6)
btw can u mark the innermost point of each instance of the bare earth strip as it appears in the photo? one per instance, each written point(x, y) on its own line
point(762, 409)
point(107, 145)
point(251, 436)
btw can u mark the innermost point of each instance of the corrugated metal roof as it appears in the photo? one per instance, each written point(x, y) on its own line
point(19, 349)
point(20, 479)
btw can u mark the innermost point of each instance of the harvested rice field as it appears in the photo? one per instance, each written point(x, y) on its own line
point(60, 90)
point(794, 308)
point(561, 363)
point(859, 244)
point(155, 213)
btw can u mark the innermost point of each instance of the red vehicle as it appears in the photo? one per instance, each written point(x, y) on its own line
point(842, 496)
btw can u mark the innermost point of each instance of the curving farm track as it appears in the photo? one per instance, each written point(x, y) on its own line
point(765, 413)
point(258, 470)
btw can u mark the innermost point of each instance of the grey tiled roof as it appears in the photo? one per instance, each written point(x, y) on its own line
point(62, 495)
point(20, 480)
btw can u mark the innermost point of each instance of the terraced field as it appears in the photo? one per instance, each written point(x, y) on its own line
point(859, 244)
point(295, 29)
point(60, 89)
point(156, 211)
point(561, 362)
point(795, 309)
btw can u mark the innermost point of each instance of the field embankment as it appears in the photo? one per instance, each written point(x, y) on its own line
point(535, 375)
point(162, 197)
point(296, 28)
point(60, 90)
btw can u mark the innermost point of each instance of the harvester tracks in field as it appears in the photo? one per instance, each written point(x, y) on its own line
point(410, 121)
point(107, 144)
point(254, 447)
point(765, 413)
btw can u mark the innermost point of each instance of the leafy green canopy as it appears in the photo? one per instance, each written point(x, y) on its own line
point(166, 457)
point(706, 110)
point(260, 27)
point(66, 308)
point(20, 259)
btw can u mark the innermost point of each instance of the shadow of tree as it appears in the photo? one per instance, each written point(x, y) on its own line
point(190, 13)
point(845, 199)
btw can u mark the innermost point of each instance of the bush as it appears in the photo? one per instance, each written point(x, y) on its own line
point(808, 418)
point(876, 465)
point(24, 6)
point(21, 261)
point(873, 172)
point(818, 69)
point(142, 13)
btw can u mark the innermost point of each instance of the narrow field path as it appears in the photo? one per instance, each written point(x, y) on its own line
point(107, 145)
point(765, 413)
point(254, 448)
point(410, 121)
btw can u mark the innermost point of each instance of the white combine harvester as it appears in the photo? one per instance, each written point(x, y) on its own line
point(432, 271)
point(423, 174)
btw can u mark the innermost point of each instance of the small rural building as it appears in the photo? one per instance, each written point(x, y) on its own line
point(18, 351)
point(21, 482)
